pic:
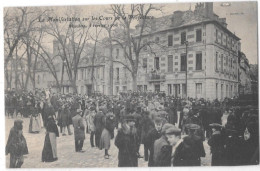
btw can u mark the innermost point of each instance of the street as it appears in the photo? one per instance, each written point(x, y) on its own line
point(67, 157)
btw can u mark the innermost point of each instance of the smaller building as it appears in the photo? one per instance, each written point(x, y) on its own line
point(245, 86)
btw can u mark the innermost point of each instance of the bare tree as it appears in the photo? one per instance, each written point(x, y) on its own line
point(131, 42)
point(71, 41)
point(18, 26)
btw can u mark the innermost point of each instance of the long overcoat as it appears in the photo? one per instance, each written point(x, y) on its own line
point(127, 145)
point(79, 128)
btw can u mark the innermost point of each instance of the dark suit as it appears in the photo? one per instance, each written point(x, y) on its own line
point(188, 153)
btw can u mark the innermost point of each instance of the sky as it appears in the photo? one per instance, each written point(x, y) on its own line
point(241, 18)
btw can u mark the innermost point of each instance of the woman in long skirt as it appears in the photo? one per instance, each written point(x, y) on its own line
point(35, 123)
point(49, 152)
point(107, 133)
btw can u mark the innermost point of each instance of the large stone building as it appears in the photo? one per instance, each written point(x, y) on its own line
point(212, 55)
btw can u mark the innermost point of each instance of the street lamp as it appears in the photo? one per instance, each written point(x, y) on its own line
point(186, 78)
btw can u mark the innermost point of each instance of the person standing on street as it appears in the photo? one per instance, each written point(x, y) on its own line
point(107, 133)
point(216, 143)
point(49, 152)
point(126, 142)
point(16, 145)
point(163, 146)
point(79, 130)
point(91, 126)
point(189, 152)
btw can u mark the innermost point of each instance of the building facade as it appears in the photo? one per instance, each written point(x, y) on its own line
point(194, 41)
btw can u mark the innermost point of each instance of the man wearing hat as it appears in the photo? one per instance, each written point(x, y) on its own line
point(79, 130)
point(163, 146)
point(188, 153)
point(196, 119)
point(16, 145)
point(127, 144)
point(152, 136)
point(216, 143)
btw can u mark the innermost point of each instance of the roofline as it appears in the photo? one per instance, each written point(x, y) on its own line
point(206, 22)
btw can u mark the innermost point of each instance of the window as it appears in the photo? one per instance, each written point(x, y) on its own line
point(216, 90)
point(184, 90)
point(139, 87)
point(170, 63)
point(145, 87)
point(169, 89)
point(38, 79)
point(117, 53)
point(198, 35)
point(222, 63)
point(216, 61)
point(176, 90)
point(227, 91)
point(221, 38)
point(198, 89)
point(145, 44)
point(199, 61)
point(157, 39)
point(144, 62)
point(216, 35)
point(183, 62)
point(226, 40)
point(157, 88)
point(170, 40)
point(117, 74)
point(82, 74)
point(222, 95)
point(124, 88)
point(231, 91)
point(183, 37)
point(117, 89)
point(157, 63)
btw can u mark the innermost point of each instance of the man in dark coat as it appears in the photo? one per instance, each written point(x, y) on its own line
point(147, 124)
point(126, 142)
point(195, 119)
point(99, 125)
point(189, 152)
point(79, 130)
point(152, 136)
point(16, 145)
point(48, 111)
point(216, 143)
point(163, 146)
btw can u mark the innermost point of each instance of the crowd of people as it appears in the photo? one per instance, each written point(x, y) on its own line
point(173, 130)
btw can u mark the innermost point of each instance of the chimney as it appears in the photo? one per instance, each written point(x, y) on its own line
point(209, 10)
point(177, 18)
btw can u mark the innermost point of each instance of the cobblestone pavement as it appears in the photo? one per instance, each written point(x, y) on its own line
point(67, 157)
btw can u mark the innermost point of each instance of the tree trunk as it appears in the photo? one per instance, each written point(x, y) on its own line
point(111, 74)
point(134, 84)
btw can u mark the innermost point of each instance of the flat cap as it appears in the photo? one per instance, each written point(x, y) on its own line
point(166, 126)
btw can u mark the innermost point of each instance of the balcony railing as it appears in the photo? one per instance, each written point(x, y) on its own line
point(152, 77)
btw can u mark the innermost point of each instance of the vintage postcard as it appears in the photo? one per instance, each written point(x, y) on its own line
point(131, 85)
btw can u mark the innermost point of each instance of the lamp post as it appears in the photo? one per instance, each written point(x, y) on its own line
point(186, 78)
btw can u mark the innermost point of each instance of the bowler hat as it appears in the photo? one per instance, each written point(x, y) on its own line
point(192, 126)
point(129, 118)
point(215, 125)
